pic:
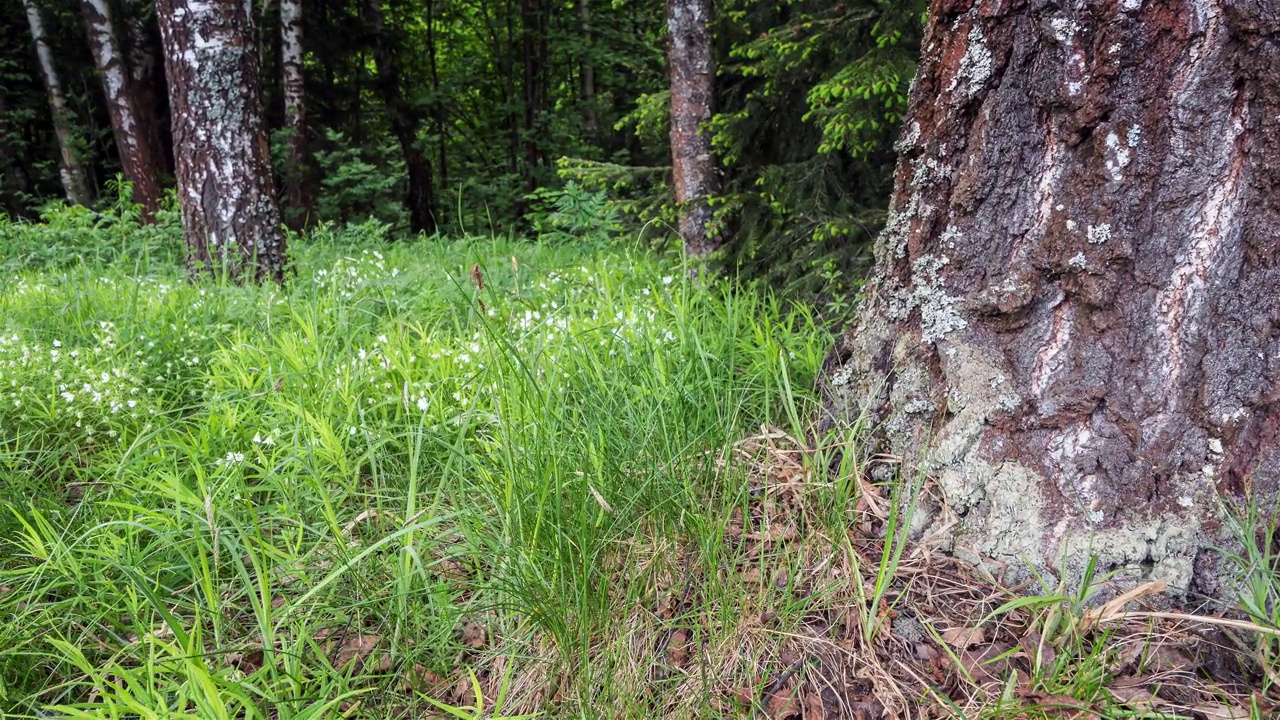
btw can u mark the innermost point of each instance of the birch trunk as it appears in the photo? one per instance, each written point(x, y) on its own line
point(137, 156)
point(231, 222)
point(70, 169)
point(295, 115)
point(691, 64)
point(1074, 325)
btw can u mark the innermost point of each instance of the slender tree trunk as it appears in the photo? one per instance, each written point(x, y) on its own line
point(230, 219)
point(532, 38)
point(1074, 324)
point(691, 63)
point(18, 183)
point(70, 169)
point(588, 77)
point(438, 114)
point(405, 124)
point(296, 198)
point(128, 126)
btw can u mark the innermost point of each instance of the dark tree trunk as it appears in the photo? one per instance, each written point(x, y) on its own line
point(1074, 325)
point(145, 72)
point(406, 124)
point(438, 114)
point(229, 215)
point(128, 121)
point(70, 168)
point(691, 64)
point(297, 200)
point(588, 74)
point(533, 40)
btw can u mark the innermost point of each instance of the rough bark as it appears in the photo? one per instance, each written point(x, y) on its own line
point(296, 199)
point(406, 124)
point(691, 64)
point(128, 126)
point(1074, 325)
point(70, 169)
point(230, 219)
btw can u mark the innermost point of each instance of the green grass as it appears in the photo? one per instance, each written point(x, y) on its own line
point(587, 489)
point(213, 496)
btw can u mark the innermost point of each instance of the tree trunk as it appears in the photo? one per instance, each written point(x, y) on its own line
point(405, 124)
point(691, 63)
point(137, 155)
point(70, 169)
point(588, 79)
point(296, 199)
point(143, 58)
point(531, 36)
point(1074, 325)
point(230, 219)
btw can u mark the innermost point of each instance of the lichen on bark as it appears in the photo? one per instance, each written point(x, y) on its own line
point(1074, 324)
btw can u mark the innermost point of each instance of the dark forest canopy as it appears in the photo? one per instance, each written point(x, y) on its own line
point(503, 104)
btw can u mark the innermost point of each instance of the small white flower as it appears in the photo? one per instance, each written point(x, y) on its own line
point(257, 439)
point(422, 404)
point(382, 339)
point(56, 343)
point(667, 280)
point(68, 397)
point(234, 458)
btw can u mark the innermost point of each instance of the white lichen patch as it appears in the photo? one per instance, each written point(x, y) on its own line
point(1077, 261)
point(938, 314)
point(976, 66)
point(1098, 234)
point(1118, 157)
point(1130, 5)
point(1064, 29)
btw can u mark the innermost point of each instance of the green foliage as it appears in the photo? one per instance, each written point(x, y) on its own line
point(574, 214)
point(359, 182)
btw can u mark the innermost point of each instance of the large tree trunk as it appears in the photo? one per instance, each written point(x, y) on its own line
point(691, 64)
point(296, 199)
point(128, 122)
point(406, 125)
point(1074, 325)
point(70, 169)
point(230, 219)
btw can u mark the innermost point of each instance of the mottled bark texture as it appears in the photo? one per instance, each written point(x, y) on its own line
point(691, 64)
point(406, 123)
point(295, 113)
point(70, 169)
point(142, 54)
point(128, 125)
point(1075, 321)
point(229, 215)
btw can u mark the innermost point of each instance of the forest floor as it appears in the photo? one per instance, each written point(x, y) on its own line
point(487, 479)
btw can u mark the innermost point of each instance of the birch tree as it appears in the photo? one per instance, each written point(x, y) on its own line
point(294, 91)
point(691, 66)
point(231, 222)
point(70, 169)
point(137, 154)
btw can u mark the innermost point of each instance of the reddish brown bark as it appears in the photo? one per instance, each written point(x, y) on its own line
point(229, 215)
point(691, 64)
point(1075, 321)
point(129, 122)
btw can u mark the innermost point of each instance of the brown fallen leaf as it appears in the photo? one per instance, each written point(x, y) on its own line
point(678, 648)
point(473, 634)
point(782, 704)
point(1110, 610)
point(356, 647)
point(964, 637)
point(814, 709)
